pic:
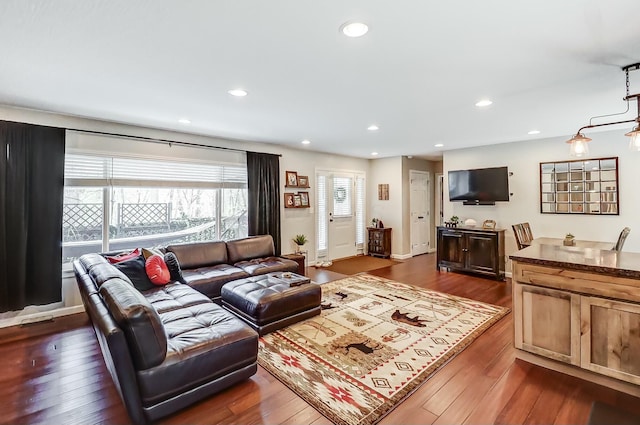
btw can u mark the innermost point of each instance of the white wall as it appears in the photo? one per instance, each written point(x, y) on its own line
point(387, 171)
point(295, 221)
point(523, 159)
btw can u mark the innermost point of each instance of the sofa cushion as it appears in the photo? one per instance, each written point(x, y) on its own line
point(135, 270)
point(205, 343)
point(260, 266)
point(209, 280)
point(199, 254)
point(250, 248)
point(140, 322)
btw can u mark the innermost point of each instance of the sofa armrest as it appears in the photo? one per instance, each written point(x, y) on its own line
point(139, 320)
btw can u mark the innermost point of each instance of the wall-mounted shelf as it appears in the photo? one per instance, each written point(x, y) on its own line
point(299, 199)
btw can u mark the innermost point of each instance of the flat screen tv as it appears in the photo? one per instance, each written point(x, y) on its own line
point(481, 186)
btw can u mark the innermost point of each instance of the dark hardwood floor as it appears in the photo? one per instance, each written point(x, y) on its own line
point(61, 378)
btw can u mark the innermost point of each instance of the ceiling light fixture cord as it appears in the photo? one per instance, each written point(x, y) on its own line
point(578, 143)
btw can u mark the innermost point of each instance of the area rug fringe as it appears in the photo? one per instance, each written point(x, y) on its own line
point(357, 361)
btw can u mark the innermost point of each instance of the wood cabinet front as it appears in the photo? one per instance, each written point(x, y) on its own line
point(547, 322)
point(587, 323)
point(611, 338)
point(473, 250)
point(379, 242)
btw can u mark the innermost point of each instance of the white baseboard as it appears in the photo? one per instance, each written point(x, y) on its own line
point(401, 256)
point(40, 316)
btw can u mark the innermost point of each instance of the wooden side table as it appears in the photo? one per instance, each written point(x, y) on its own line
point(379, 242)
point(298, 258)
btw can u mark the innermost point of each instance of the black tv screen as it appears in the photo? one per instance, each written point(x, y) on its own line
point(479, 185)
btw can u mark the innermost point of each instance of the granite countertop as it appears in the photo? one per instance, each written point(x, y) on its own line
point(612, 263)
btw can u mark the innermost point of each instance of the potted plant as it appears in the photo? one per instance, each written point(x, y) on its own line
point(454, 220)
point(569, 240)
point(300, 240)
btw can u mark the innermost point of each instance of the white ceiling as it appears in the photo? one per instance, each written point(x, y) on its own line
point(547, 65)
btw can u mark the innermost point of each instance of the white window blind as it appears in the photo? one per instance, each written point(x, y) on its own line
point(321, 216)
point(342, 197)
point(360, 195)
point(97, 170)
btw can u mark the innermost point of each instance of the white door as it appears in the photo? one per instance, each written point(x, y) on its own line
point(340, 213)
point(419, 206)
point(342, 223)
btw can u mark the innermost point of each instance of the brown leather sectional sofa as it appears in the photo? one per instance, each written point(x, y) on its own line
point(206, 266)
point(172, 345)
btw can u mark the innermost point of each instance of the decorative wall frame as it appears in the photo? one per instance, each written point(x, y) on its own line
point(584, 186)
point(288, 200)
point(383, 192)
point(304, 199)
point(292, 179)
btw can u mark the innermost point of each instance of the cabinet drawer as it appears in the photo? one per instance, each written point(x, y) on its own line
point(577, 281)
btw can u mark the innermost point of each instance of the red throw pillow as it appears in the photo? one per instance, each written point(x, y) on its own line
point(113, 259)
point(157, 270)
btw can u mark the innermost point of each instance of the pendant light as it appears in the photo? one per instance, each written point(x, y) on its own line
point(579, 143)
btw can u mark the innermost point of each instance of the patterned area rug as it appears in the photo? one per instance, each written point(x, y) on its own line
point(374, 343)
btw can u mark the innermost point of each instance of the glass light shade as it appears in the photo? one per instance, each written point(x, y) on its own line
point(579, 145)
point(634, 139)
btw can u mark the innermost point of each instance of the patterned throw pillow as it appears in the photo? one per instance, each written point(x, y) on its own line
point(157, 270)
point(174, 267)
point(113, 259)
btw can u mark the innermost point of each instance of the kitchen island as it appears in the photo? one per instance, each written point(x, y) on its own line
point(577, 311)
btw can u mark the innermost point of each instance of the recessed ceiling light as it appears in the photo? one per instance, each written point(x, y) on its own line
point(184, 121)
point(373, 128)
point(374, 153)
point(438, 145)
point(354, 29)
point(305, 142)
point(237, 92)
point(483, 103)
point(534, 132)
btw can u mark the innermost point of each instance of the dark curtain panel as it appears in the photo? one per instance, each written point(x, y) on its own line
point(31, 194)
point(263, 175)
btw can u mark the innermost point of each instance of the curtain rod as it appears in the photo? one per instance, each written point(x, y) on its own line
point(167, 141)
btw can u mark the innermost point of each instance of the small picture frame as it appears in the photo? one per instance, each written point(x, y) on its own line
point(304, 199)
point(303, 181)
point(288, 200)
point(383, 192)
point(489, 224)
point(297, 201)
point(292, 179)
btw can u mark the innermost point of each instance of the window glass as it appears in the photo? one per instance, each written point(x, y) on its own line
point(145, 208)
point(342, 200)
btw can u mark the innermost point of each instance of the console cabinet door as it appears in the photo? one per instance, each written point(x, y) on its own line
point(482, 252)
point(547, 322)
point(451, 249)
point(611, 338)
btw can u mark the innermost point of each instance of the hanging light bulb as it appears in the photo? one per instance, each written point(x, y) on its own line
point(634, 141)
point(579, 145)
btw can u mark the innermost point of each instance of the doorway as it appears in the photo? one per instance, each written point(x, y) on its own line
point(340, 214)
point(419, 200)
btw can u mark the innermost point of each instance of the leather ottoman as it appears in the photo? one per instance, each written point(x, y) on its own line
point(268, 302)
